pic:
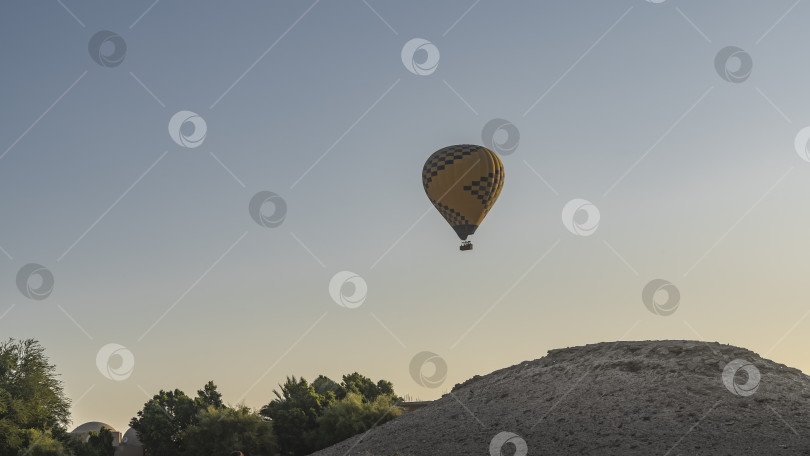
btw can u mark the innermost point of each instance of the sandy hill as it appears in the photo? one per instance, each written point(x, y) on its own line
point(612, 398)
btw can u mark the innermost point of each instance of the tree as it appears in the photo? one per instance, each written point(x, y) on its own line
point(324, 385)
point(164, 418)
point(220, 431)
point(295, 412)
point(32, 401)
point(161, 421)
point(208, 397)
point(365, 387)
point(101, 442)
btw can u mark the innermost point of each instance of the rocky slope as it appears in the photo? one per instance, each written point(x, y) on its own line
point(612, 398)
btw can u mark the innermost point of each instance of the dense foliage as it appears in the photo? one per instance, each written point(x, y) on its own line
point(219, 431)
point(353, 415)
point(295, 412)
point(308, 417)
point(303, 417)
point(162, 422)
point(98, 444)
point(34, 410)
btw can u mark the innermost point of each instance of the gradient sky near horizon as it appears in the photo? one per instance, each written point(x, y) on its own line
point(151, 245)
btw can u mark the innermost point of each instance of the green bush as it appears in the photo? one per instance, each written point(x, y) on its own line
point(220, 431)
point(42, 443)
point(308, 417)
point(352, 415)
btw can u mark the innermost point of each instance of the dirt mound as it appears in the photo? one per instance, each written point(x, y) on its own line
point(612, 398)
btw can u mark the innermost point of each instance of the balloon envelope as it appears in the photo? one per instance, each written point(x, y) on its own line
point(463, 182)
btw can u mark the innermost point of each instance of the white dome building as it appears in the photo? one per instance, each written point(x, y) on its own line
point(83, 432)
point(126, 445)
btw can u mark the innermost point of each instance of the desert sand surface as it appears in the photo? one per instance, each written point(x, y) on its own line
point(612, 398)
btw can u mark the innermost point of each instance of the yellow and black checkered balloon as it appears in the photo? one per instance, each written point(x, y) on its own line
point(463, 183)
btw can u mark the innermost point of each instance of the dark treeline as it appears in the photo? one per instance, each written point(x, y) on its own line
point(302, 417)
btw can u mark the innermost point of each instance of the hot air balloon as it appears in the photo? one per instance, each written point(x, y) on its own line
point(463, 182)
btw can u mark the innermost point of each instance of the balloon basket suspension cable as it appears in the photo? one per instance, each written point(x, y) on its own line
point(466, 245)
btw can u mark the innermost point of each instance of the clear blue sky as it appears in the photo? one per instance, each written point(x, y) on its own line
point(152, 247)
